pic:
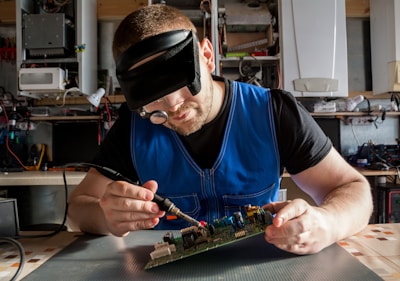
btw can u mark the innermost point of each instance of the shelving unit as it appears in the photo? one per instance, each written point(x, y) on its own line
point(245, 33)
point(112, 10)
point(64, 40)
point(234, 25)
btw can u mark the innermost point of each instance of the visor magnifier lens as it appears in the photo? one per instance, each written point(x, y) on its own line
point(157, 117)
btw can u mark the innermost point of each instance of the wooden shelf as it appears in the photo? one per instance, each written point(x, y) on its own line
point(351, 113)
point(315, 114)
point(106, 9)
point(76, 100)
point(117, 10)
point(250, 58)
point(65, 118)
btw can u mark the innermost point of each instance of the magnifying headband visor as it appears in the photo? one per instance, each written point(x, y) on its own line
point(176, 68)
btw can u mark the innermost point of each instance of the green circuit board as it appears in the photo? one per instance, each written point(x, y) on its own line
point(194, 240)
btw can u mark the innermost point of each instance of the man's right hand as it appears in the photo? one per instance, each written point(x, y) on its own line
point(129, 207)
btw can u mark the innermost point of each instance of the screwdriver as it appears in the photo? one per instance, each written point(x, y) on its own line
point(163, 203)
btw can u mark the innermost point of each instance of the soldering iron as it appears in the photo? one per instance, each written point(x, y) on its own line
point(163, 203)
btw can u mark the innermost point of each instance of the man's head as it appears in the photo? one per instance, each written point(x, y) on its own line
point(146, 22)
point(162, 67)
point(160, 60)
point(157, 66)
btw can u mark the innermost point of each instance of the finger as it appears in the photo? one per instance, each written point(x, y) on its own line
point(299, 249)
point(296, 244)
point(127, 205)
point(288, 234)
point(130, 220)
point(288, 223)
point(151, 185)
point(123, 228)
point(274, 207)
point(289, 211)
point(125, 189)
point(132, 216)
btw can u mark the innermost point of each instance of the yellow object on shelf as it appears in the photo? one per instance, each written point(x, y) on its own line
point(236, 54)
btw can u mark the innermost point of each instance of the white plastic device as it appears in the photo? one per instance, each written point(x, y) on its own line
point(351, 103)
point(41, 79)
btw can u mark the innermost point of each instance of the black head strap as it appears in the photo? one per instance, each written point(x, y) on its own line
point(149, 47)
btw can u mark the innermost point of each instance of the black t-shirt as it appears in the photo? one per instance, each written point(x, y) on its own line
point(302, 143)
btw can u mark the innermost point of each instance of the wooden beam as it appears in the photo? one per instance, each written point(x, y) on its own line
point(78, 100)
point(106, 9)
point(369, 95)
point(7, 12)
point(357, 8)
point(117, 10)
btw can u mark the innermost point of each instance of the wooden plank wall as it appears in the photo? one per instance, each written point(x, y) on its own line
point(111, 9)
point(7, 11)
point(357, 8)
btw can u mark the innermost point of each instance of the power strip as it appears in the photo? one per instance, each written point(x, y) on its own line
point(359, 120)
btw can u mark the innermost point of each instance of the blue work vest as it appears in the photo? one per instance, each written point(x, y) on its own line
point(245, 172)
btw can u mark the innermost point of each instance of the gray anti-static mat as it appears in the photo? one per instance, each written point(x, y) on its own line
point(110, 258)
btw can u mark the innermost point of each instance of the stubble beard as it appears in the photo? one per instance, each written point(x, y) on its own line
point(197, 122)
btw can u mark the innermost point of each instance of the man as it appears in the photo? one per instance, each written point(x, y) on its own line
point(212, 146)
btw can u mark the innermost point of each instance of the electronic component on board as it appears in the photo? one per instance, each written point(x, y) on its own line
point(162, 249)
point(196, 239)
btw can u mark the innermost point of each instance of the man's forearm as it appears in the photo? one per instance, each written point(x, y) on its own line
point(350, 208)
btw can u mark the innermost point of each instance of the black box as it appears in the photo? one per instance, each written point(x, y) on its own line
point(388, 203)
point(9, 226)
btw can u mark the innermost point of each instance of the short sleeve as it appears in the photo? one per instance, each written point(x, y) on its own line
point(302, 143)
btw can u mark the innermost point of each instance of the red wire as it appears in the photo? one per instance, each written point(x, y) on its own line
point(99, 132)
point(278, 69)
point(7, 140)
point(108, 114)
point(279, 75)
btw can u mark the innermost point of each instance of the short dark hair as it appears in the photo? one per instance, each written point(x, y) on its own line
point(148, 21)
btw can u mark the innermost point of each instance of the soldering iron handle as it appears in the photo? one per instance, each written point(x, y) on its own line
point(164, 203)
